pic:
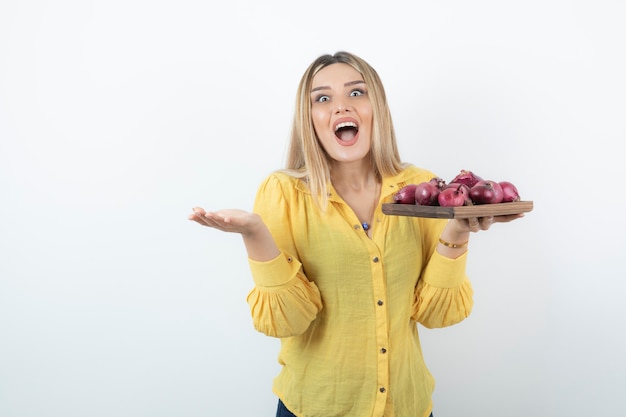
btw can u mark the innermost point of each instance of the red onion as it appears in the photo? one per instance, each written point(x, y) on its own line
point(486, 192)
point(466, 177)
point(426, 193)
point(438, 182)
point(509, 192)
point(455, 195)
point(406, 195)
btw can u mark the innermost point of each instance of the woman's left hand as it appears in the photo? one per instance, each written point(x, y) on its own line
point(475, 224)
point(455, 235)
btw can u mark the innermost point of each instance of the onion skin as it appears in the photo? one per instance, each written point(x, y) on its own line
point(427, 193)
point(438, 182)
point(458, 192)
point(455, 195)
point(466, 177)
point(509, 192)
point(486, 192)
point(454, 185)
point(406, 195)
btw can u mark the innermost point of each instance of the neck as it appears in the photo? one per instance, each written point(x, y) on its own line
point(353, 177)
point(360, 189)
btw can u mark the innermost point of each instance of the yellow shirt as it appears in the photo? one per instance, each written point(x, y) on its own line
point(346, 306)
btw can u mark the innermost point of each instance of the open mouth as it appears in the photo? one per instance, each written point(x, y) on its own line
point(346, 131)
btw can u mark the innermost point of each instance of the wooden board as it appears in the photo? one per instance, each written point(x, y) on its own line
point(463, 212)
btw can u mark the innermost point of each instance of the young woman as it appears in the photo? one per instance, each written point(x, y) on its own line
point(341, 284)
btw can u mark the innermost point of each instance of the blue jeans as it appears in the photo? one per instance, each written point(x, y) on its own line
point(284, 412)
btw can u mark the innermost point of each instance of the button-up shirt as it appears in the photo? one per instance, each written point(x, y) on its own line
point(346, 305)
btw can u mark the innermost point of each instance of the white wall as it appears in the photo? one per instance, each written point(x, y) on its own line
point(117, 117)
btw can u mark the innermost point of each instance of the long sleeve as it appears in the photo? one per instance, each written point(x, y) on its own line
point(283, 302)
point(282, 309)
point(345, 304)
point(444, 294)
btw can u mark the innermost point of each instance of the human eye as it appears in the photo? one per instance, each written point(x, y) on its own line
point(357, 92)
point(322, 98)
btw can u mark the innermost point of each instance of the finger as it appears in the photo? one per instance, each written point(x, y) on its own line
point(473, 224)
point(486, 222)
point(201, 220)
point(205, 218)
point(218, 220)
point(196, 217)
point(507, 218)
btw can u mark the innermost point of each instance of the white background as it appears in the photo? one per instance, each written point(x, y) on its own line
point(117, 117)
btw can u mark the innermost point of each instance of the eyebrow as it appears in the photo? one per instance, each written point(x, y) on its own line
point(348, 84)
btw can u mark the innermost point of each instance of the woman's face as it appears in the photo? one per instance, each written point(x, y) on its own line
point(342, 112)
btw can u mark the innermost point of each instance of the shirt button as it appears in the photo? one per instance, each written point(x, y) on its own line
point(383, 350)
point(375, 259)
point(382, 389)
point(380, 302)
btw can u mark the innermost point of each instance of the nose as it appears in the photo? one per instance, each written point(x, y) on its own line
point(342, 108)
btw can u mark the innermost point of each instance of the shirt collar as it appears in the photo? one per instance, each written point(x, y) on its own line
point(390, 186)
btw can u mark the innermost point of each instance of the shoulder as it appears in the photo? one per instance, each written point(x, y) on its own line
point(282, 181)
point(283, 177)
point(412, 174)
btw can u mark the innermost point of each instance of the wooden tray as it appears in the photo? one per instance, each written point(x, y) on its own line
point(463, 212)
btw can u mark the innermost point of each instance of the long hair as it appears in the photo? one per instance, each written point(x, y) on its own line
point(307, 159)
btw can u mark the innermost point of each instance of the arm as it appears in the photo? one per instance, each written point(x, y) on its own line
point(457, 233)
point(444, 294)
point(283, 302)
point(256, 236)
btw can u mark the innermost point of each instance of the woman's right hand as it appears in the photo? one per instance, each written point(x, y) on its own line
point(229, 220)
point(256, 236)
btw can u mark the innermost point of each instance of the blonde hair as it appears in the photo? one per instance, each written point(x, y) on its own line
point(307, 159)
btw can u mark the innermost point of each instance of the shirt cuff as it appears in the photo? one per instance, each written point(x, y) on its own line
point(275, 273)
point(444, 272)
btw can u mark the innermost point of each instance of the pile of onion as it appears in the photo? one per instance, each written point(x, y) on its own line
point(465, 189)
